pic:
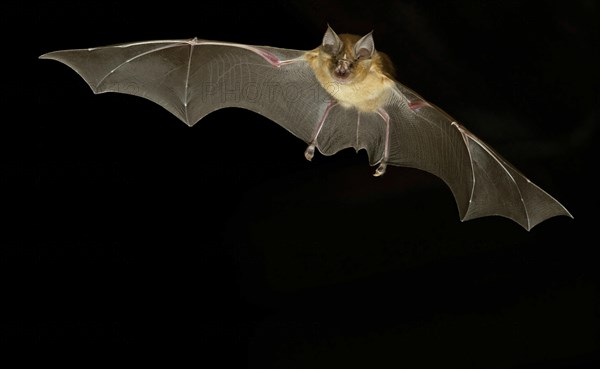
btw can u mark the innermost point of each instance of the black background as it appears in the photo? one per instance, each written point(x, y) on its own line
point(127, 232)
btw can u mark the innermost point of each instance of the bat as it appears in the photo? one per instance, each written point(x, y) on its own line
point(341, 94)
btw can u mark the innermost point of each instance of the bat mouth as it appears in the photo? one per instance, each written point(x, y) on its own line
point(342, 77)
point(342, 71)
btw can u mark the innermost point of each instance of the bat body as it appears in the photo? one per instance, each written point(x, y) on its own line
point(341, 94)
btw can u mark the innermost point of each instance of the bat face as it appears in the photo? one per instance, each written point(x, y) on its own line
point(348, 58)
point(351, 70)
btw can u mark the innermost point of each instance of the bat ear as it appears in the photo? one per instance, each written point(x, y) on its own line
point(331, 42)
point(365, 47)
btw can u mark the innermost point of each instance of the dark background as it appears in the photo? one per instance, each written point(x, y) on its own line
point(128, 232)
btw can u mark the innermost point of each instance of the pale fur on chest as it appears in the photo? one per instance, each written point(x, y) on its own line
point(367, 95)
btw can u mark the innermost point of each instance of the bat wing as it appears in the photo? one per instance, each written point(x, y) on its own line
point(483, 182)
point(422, 136)
point(191, 78)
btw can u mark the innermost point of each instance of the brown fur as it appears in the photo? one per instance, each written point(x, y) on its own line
point(369, 83)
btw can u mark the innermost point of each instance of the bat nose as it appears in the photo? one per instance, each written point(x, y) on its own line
point(343, 68)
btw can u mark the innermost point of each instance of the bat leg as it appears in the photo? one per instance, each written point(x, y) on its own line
point(380, 169)
point(310, 150)
point(386, 148)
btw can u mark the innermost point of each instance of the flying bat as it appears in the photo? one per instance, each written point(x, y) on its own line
point(341, 94)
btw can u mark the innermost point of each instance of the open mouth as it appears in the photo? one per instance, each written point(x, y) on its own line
point(341, 76)
point(342, 71)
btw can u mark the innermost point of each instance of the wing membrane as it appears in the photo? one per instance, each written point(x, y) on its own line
point(191, 78)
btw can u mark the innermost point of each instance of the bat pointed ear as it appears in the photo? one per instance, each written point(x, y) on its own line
point(365, 47)
point(331, 42)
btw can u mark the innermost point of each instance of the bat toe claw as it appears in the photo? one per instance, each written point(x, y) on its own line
point(380, 170)
point(310, 152)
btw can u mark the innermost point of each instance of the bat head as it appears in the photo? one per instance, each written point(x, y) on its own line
point(348, 58)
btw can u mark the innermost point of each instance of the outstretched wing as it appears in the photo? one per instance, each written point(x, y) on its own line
point(483, 182)
point(191, 78)
point(422, 136)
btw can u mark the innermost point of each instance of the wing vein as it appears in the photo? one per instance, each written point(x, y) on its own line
point(503, 165)
point(133, 58)
point(466, 133)
point(462, 135)
point(187, 83)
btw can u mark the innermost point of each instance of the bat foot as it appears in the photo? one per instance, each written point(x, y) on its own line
point(310, 152)
point(380, 170)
